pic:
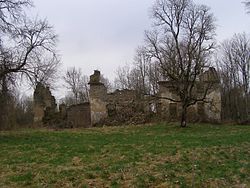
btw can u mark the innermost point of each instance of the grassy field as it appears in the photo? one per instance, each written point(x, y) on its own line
point(143, 156)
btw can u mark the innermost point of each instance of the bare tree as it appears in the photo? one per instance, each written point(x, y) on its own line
point(24, 110)
point(129, 77)
point(68, 100)
point(147, 72)
point(33, 40)
point(78, 84)
point(72, 79)
point(123, 79)
point(106, 82)
point(181, 43)
point(84, 89)
point(154, 76)
point(141, 62)
point(143, 75)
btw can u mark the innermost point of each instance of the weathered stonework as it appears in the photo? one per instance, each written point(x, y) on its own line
point(209, 110)
point(43, 101)
point(79, 116)
point(126, 107)
point(118, 107)
point(213, 107)
point(45, 111)
point(98, 96)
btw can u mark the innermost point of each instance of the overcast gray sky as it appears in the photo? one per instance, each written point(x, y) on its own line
point(103, 34)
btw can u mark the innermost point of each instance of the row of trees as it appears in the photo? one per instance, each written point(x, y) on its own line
point(234, 67)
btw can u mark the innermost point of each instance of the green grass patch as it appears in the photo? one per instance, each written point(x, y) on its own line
point(137, 156)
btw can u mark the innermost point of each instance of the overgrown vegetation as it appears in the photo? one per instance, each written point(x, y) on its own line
point(143, 156)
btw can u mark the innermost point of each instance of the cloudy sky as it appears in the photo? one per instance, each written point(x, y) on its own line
point(103, 34)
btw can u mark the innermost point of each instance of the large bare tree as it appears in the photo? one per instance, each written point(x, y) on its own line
point(181, 42)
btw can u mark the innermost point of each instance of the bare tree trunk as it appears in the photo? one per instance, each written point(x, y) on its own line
point(4, 104)
point(184, 116)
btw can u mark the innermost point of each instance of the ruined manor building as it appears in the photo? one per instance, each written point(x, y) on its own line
point(204, 111)
point(126, 106)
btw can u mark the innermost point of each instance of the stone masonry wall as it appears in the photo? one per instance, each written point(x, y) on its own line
point(43, 100)
point(125, 106)
point(209, 111)
point(79, 116)
point(98, 95)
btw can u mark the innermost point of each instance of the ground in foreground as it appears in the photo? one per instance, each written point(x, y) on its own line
point(142, 156)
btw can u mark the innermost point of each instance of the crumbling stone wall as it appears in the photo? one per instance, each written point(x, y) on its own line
point(121, 101)
point(116, 108)
point(125, 107)
point(44, 102)
point(79, 116)
point(212, 109)
point(44, 107)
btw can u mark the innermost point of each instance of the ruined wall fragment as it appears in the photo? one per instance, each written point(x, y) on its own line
point(43, 101)
point(79, 116)
point(98, 95)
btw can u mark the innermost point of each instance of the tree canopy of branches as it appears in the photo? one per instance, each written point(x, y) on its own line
point(181, 42)
point(32, 42)
point(27, 45)
point(10, 13)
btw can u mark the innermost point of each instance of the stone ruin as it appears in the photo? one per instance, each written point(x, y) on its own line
point(97, 98)
point(126, 106)
point(45, 111)
point(204, 111)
